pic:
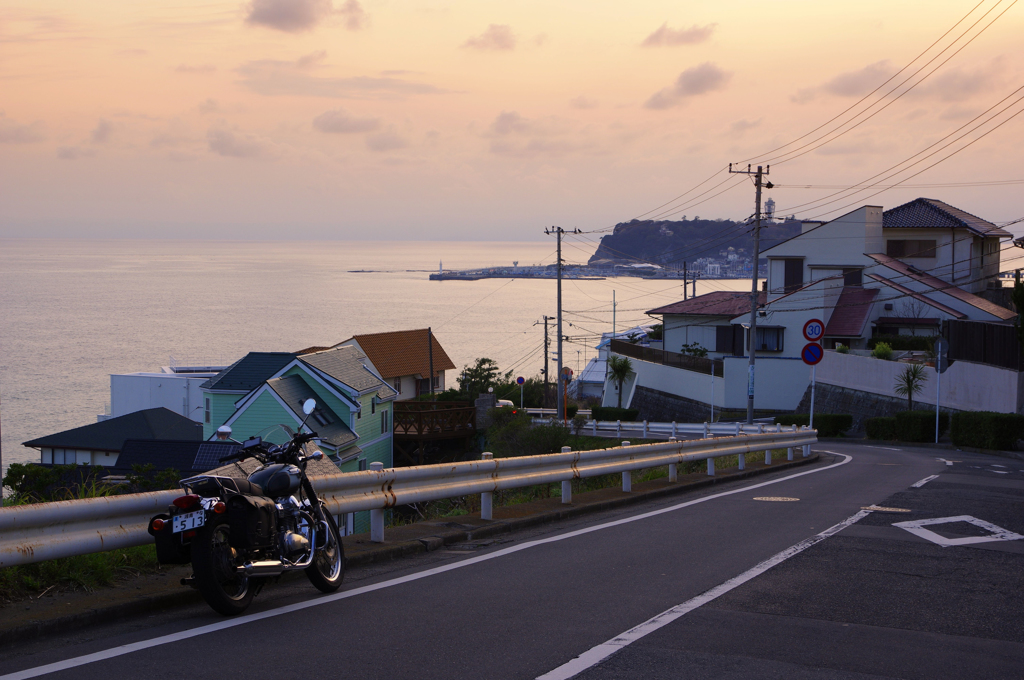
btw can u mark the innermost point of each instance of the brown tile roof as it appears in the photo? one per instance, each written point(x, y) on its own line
point(944, 287)
point(399, 353)
point(718, 303)
point(918, 296)
point(310, 350)
point(851, 312)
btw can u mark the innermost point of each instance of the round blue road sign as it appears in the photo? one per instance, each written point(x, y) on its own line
point(520, 380)
point(812, 353)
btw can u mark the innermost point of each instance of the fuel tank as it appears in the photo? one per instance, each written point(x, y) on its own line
point(278, 480)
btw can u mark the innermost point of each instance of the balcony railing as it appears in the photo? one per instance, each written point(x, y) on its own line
point(673, 359)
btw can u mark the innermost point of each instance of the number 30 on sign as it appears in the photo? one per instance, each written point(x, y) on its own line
point(814, 329)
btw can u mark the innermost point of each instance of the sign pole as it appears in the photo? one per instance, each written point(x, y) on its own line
point(520, 397)
point(814, 369)
point(938, 388)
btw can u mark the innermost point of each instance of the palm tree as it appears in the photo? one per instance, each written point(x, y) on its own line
point(909, 383)
point(619, 369)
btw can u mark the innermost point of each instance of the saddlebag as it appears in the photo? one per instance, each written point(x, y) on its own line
point(253, 522)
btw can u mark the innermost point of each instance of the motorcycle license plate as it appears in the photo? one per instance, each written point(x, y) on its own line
point(189, 520)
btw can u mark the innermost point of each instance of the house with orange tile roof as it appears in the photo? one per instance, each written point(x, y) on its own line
point(406, 360)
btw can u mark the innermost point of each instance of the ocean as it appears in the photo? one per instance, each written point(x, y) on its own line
point(72, 312)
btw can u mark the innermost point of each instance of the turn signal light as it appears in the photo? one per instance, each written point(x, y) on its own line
point(186, 502)
point(158, 524)
point(220, 508)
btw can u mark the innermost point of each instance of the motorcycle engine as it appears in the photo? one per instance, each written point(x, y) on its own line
point(291, 541)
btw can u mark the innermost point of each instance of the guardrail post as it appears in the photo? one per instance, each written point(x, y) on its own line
point(645, 429)
point(594, 422)
point(673, 429)
point(737, 429)
point(673, 469)
point(767, 456)
point(707, 430)
point(806, 447)
point(711, 467)
point(377, 515)
point(789, 450)
point(741, 459)
point(487, 497)
point(618, 427)
point(627, 477)
point(760, 428)
point(567, 485)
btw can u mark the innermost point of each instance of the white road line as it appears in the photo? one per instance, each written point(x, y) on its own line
point(885, 448)
point(948, 463)
point(597, 654)
point(918, 485)
point(299, 606)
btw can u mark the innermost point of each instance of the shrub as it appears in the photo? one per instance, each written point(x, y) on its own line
point(842, 349)
point(916, 343)
point(570, 411)
point(986, 430)
point(881, 428)
point(612, 413)
point(882, 351)
point(919, 426)
point(827, 424)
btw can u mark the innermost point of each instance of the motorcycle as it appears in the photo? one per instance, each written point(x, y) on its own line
point(240, 533)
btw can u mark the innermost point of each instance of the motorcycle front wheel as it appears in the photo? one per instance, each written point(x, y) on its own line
point(213, 565)
point(328, 568)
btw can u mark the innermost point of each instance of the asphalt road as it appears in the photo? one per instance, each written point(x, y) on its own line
point(871, 600)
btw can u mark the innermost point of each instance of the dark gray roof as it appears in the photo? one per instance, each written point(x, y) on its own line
point(187, 457)
point(110, 435)
point(242, 469)
point(293, 390)
point(250, 371)
point(931, 213)
point(345, 364)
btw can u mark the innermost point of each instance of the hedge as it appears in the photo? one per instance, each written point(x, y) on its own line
point(880, 428)
point(916, 343)
point(827, 424)
point(987, 430)
point(612, 413)
point(919, 426)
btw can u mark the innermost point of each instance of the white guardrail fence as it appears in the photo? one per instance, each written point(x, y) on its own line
point(45, 531)
point(673, 429)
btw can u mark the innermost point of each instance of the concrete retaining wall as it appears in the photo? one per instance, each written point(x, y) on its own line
point(662, 407)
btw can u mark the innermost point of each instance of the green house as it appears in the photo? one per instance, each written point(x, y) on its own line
point(354, 405)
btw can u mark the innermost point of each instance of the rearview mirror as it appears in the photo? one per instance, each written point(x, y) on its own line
point(308, 406)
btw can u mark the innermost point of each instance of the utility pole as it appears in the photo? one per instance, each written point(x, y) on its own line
point(547, 353)
point(558, 232)
point(686, 280)
point(752, 337)
point(430, 353)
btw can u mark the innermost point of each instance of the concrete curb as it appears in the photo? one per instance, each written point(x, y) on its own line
point(437, 536)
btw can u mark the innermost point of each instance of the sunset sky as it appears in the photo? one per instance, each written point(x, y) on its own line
point(380, 119)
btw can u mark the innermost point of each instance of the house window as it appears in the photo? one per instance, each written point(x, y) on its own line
point(383, 422)
point(207, 410)
point(359, 414)
point(729, 340)
point(423, 386)
point(910, 248)
point(398, 385)
point(770, 339)
point(362, 463)
point(794, 276)
point(373, 405)
point(852, 277)
point(437, 382)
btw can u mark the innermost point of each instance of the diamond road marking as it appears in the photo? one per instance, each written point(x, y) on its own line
point(916, 527)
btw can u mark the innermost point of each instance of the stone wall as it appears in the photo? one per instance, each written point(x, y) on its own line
point(484, 403)
point(861, 405)
point(662, 407)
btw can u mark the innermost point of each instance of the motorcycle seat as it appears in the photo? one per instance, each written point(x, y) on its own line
point(248, 488)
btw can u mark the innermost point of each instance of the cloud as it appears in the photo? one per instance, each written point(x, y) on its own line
point(850, 84)
point(353, 15)
point(71, 153)
point(667, 37)
point(692, 82)
point(226, 143)
point(513, 135)
point(15, 133)
point(741, 126)
point(497, 37)
point(101, 134)
point(582, 102)
point(200, 68)
point(340, 121)
point(290, 16)
point(293, 78)
point(208, 106)
point(962, 84)
point(386, 141)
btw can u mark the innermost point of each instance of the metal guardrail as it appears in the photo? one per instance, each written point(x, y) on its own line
point(44, 531)
point(552, 412)
point(673, 429)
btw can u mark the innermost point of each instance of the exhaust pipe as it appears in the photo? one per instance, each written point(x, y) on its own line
point(264, 568)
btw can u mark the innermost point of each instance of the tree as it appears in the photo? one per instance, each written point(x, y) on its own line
point(485, 373)
point(1017, 298)
point(619, 369)
point(910, 382)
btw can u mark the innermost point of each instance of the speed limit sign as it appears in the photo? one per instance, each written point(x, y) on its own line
point(814, 329)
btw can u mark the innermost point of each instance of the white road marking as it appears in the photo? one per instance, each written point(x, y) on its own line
point(918, 485)
point(596, 655)
point(885, 448)
point(995, 533)
point(947, 462)
point(327, 599)
point(997, 465)
point(1000, 472)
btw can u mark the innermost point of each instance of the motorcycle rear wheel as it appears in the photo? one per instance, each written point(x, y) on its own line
point(328, 568)
point(213, 565)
